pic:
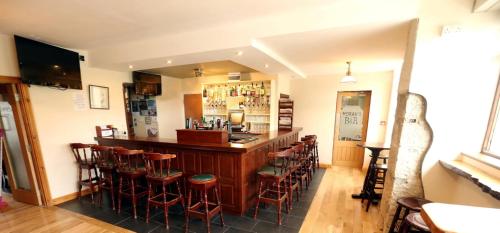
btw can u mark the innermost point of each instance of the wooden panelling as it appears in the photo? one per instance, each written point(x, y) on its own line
point(236, 170)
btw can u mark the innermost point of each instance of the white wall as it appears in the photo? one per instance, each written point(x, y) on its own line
point(458, 75)
point(315, 106)
point(170, 107)
point(59, 124)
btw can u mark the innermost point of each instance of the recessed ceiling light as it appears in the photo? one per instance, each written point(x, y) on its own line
point(266, 65)
point(169, 62)
point(130, 66)
point(239, 53)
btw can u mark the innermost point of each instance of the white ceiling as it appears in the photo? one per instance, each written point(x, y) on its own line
point(295, 37)
point(84, 24)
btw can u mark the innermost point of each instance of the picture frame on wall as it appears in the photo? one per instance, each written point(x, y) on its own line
point(99, 97)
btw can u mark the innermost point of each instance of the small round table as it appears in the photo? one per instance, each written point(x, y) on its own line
point(375, 148)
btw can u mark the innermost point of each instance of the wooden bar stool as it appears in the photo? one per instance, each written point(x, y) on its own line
point(85, 160)
point(295, 180)
point(202, 183)
point(131, 167)
point(273, 177)
point(302, 173)
point(159, 173)
point(315, 157)
point(376, 181)
point(414, 223)
point(405, 205)
point(107, 167)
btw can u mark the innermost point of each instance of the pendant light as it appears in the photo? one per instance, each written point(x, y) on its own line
point(348, 78)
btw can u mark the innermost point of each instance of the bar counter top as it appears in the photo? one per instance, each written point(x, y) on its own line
point(262, 139)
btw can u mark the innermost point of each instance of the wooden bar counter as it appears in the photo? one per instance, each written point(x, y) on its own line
point(234, 164)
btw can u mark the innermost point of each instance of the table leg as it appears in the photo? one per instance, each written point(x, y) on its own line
point(373, 161)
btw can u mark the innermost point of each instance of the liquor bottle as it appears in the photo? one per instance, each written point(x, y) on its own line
point(252, 92)
point(205, 94)
point(262, 89)
point(238, 91)
point(243, 91)
point(248, 90)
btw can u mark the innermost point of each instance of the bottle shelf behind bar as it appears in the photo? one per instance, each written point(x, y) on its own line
point(253, 97)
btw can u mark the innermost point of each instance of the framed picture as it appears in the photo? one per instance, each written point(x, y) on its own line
point(99, 97)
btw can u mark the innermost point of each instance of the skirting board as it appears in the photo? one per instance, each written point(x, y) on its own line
point(69, 197)
point(325, 165)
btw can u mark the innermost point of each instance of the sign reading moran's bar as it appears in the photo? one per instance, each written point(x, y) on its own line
point(351, 123)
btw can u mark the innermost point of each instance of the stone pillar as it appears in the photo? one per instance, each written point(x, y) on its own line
point(411, 139)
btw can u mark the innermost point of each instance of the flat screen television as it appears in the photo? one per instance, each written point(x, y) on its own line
point(146, 83)
point(47, 65)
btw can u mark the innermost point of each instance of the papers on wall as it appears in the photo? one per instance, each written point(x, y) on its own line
point(79, 103)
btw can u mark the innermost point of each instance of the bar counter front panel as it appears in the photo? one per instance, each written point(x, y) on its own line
point(234, 164)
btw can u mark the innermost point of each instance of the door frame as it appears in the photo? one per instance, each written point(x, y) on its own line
point(366, 115)
point(32, 137)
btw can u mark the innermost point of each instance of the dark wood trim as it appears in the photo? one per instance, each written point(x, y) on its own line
point(9, 80)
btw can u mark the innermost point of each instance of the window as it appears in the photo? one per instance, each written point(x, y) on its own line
point(491, 145)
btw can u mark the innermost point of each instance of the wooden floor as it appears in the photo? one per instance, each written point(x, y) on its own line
point(332, 210)
point(18, 217)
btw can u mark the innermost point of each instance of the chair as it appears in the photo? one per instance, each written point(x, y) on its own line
point(202, 183)
point(131, 168)
point(273, 177)
point(159, 173)
point(85, 160)
point(406, 204)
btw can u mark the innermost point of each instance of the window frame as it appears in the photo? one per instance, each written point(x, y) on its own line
point(493, 122)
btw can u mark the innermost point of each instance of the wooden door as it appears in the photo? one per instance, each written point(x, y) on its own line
point(351, 125)
point(16, 148)
point(193, 106)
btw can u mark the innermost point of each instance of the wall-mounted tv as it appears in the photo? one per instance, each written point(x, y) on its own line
point(146, 83)
point(47, 65)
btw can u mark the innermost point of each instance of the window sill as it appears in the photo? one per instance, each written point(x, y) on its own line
point(480, 172)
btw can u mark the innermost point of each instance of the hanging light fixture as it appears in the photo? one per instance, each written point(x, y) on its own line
point(348, 78)
point(198, 72)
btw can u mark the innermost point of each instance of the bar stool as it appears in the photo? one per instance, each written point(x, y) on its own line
point(274, 174)
point(414, 223)
point(85, 159)
point(159, 173)
point(202, 183)
point(292, 182)
point(309, 154)
point(131, 167)
point(105, 158)
point(315, 151)
point(376, 181)
point(302, 173)
point(406, 204)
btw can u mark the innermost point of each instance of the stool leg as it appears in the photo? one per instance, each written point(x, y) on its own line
point(147, 203)
point(258, 200)
point(395, 219)
point(165, 207)
point(279, 203)
point(80, 182)
point(133, 197)
point(188, 209)
point(290, 191)
point(220, 206)
point(100, 185)
point(89, 172)
point(207, 216)
point(181, 196)
point(120, 189)
point(112, 190)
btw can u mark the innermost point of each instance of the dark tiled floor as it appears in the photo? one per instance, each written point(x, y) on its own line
point(265, 222)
